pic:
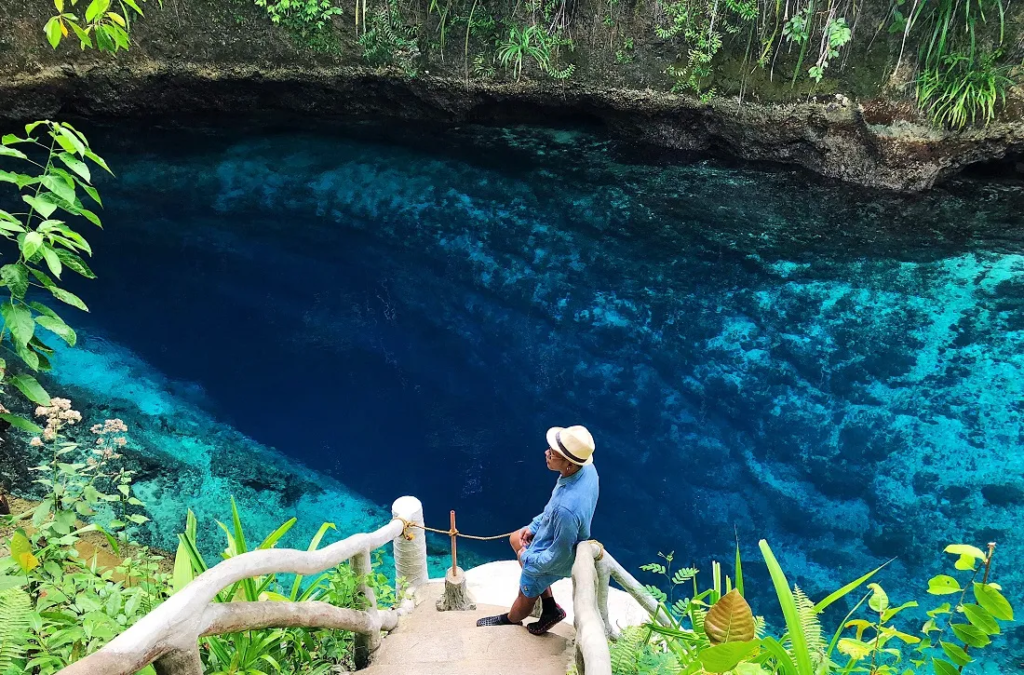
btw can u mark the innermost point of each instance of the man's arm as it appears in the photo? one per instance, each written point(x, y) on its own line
point(534, 524)
point(566, 528)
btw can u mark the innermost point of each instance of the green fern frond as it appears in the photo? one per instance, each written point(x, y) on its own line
point(760, 627)
point(811, 624)
point(684, 574)
point(15, 608)
point(625, 652)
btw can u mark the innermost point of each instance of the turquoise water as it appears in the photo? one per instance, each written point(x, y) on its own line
point(319, 321)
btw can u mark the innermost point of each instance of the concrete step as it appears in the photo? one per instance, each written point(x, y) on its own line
point(429, 642)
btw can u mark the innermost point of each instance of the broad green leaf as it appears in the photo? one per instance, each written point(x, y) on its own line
point(68, 146)
point(724, 657)
point(32, 242)
point(99, 160)
point(83, 37)
point(18, 319)
point(91, 217)
point(15, 277)
point(94, 193)
point(966, 549)
point(31, 358)
point(134, 6)
point(879, 601)
point(44, 310)
point(21, 423)
point(981, 618)
point(58, 328)
point(11, 152)
point(64, 132)
point(42, 277)
point(943, 585)
point(965, 562)
point(52, 261)
point(991, 599)
point(971, 635)
point(59, 188)
point(956, 653)
point(68, 298)
point(944, 608)
point(944, 667)
point(41, 206)
point(53, 32)
point(76, 165)
point(74, 263)
point(32, 390)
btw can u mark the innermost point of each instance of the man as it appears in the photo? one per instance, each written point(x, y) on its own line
point(546, 548)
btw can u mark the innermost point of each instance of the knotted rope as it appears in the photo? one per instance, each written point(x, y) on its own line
point(451, 532)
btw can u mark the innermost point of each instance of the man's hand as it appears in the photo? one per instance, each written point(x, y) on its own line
point(525, 536)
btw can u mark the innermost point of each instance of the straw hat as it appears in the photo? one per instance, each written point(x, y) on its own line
point(574, 443)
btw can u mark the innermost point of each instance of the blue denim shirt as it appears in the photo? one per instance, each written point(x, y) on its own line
point(564, 523)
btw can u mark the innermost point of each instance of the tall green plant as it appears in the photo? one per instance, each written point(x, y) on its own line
point(52, 179)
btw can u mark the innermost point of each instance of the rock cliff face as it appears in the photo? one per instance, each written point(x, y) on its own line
point(199, 57)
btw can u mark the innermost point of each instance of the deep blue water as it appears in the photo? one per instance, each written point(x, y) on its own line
point(756, 352)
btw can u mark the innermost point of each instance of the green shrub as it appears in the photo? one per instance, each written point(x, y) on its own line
point(57, 607)
point(301, 15)
point(963, 90)
point(714, 631)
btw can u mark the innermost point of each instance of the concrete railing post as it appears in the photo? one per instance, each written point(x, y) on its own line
point(411, 556)
point(366, 643)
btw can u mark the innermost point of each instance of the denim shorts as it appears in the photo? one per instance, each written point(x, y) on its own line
point(533, 585)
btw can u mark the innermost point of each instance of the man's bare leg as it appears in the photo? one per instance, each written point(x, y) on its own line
point(522, 607)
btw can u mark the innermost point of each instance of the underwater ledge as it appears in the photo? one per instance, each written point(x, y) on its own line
point(868, 143)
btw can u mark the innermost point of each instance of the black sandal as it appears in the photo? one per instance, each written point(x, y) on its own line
point(499, 620)
point(547, 622)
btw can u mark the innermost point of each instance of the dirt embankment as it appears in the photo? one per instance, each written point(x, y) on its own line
point(226, 57)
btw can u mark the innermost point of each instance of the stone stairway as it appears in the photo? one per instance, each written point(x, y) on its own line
point(429, 642)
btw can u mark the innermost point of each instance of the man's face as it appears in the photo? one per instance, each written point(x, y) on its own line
point(555, 460)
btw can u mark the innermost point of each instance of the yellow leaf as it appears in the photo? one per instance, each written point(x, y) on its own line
point(21, 551)
point(855, 649)
point(116, 18)
point(63, 28)
point(59, 4)
point(27, 562)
